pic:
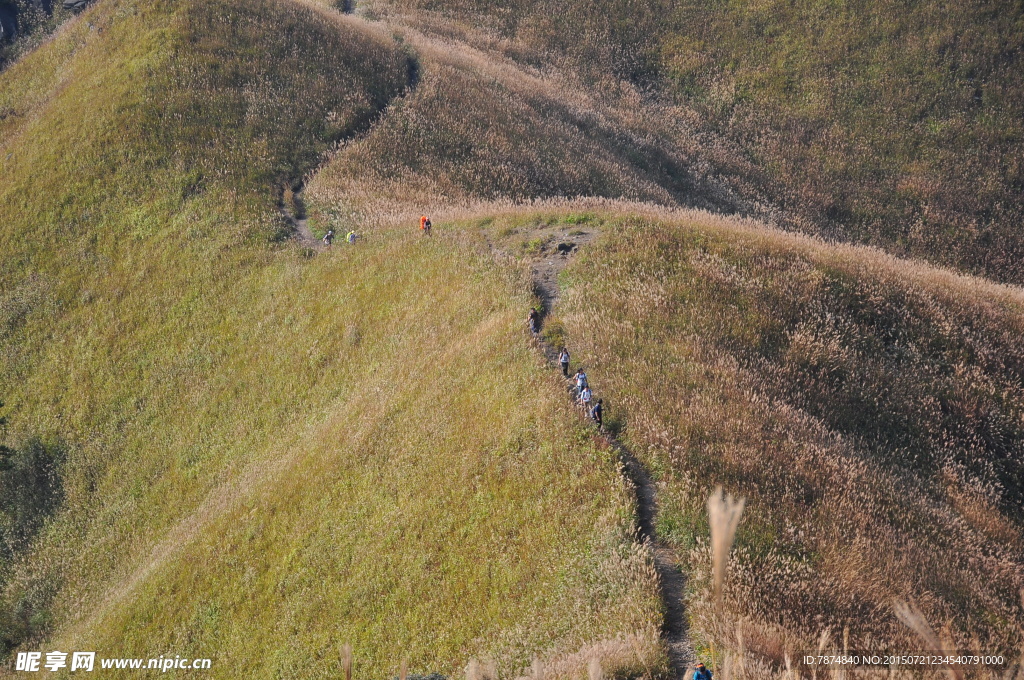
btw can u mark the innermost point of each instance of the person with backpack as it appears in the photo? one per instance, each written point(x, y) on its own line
point(585, 396)
point(597, 413)
point(581, 380)
point(329, 237)
point(534, 320)
point(563, 359)
point(700, 672)
point(425, 225)
point(351, 236)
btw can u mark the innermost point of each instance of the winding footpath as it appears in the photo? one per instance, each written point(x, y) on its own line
point(672, 581)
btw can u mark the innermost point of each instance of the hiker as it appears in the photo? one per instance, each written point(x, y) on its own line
point(329, 237)
point(534, 320)
point(581, 380)
point(563, 359)
point(700, 672)
point(351, 236)
point(597, 414)
point(425, 225)
point(585, 396)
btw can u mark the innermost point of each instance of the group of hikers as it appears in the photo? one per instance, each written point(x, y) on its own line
point(585, 399)
point(584, 395)
point(350, 237)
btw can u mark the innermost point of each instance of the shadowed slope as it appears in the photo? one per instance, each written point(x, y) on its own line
point(480, 128)
point(890, 123)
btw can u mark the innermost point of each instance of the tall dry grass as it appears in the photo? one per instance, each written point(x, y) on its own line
point(724, 514)
point(875, 122)
point(868, 409)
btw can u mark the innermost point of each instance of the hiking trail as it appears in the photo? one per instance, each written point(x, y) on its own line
point(291, 204)
point(553, 256)
point(294, 212)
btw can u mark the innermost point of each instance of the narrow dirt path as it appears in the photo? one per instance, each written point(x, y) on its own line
point(555, 251)
point(291, 204)
point(675, 630)
point(294, 212)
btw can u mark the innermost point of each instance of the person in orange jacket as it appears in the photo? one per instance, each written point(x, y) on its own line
point(425, 225)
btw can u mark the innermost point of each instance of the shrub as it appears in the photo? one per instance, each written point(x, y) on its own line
point(31, 491)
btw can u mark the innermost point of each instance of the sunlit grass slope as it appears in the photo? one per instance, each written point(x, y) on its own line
point(870, 410)
point(140, 153)
point(269, 454)
point(429, 496)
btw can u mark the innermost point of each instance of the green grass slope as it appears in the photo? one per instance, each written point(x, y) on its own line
point(265, 455)
point(433, 499)
point(869, 410)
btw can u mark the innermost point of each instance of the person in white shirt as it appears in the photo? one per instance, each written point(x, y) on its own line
point(563, 359)
point(581, 380)
point(585, 396)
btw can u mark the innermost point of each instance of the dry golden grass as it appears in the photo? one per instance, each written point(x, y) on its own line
point(838, 390)
point(874, 122)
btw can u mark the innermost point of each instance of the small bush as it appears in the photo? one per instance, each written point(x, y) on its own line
point(534, 246)
point(554, 332)
point(30, 491)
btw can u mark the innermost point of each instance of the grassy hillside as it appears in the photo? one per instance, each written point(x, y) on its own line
point(480, 128)
point(895, 124)
point(219, 443)
point(285, 452)
point(869, 410)
point(419, 497)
